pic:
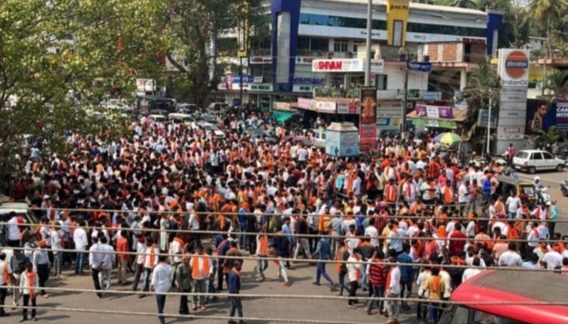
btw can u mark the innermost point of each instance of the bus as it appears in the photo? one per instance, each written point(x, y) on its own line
point(490, 297)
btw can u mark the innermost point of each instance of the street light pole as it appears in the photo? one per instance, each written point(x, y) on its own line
point(489, 122)
point(405, 94)
point(368, 42)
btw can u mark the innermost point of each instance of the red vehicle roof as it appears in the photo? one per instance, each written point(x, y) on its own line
point(510, 286)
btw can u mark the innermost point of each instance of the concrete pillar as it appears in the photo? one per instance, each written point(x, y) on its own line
point(463, 79)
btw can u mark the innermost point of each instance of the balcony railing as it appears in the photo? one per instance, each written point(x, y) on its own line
point(330, 92)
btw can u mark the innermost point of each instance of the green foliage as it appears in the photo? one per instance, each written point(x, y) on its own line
point(52, 88)
point(543, 139)
point(556, 83)
point(192, 25)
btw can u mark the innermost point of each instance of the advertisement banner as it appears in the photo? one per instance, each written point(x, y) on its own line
point(434, 112)
point(329, 107)
point(348, 107)
point(243, 30)
point(367, 124)
point(397, 17)
point(540, 116)
point(305, 103)
point(338, 65)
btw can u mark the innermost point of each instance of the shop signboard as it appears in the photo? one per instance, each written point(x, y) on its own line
point(267, 87)
point(438, 123)
point(329, 107)
point(305, 103)
point(348, 107)
point(303, 88)
point(338, 65)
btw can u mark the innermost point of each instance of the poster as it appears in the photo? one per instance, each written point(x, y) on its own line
point(541, 115)
point(367, 124)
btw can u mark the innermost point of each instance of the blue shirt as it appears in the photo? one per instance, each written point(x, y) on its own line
point(243, 217)
point(405, 270)
point(324, 249)
point(553, 212)
point(529, 265)
point(218, 240)
point(234, 282)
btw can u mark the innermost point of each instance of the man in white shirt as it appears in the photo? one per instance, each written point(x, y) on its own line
point(81, 242)
point(513, 204)
point(463, 196)
point(470, 272)
point(14, 230)
point(140, 257)
point(105, 275)
point(552, 259)
point(372, 232)
point(96, 262)
point(511, 257)
point(5, 271)
point(392, 288)
point(354, 269)
point(161, 284)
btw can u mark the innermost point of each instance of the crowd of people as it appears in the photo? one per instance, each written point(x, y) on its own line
point(178, 208)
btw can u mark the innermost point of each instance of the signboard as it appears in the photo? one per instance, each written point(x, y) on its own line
point(541, 116)
point(483, 118)
point(338, 65)
point(397, 17)
point(260, 60)
point(243, 30)
point(145, 85)
point(305, 103)
point(329, 107)
point(348, 107)
point(303, 88)
point(304, 60)
point(342, 144)
point(513, 68)
point(434, 112)
point(439, 123)
point(510, 132)
point(261, 87)
point(377, 66)
point(368, 118)
point(431, 95)
point(424, 67)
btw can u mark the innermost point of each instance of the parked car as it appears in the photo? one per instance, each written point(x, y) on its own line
point(181, 118)
point(537, 160)
point(209, 127)
point(187, 108)
point(259, 133)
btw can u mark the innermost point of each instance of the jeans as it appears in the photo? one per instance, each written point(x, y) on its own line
point(261, 265)
point(342, 283)
point(243, 239)
point(183, 308)
point(236, 305)
point(353, 286)
point(422, 311)
point(147, 277)
point(79, 262)
point(304, 244)
point(16, 291)
point(393, 306)
point(282, 269)
point(210, 291)
point(200, 286)
point(320, 272)
point(121, 271)
point(161, 301)
point(364, 276)
point(137, 275)
point(3, 293)
point(43, 276)
point(27, 300)
point(57, 262)
point(96, 280)
point(105, 276)
point(433, 311)
point(378, 292)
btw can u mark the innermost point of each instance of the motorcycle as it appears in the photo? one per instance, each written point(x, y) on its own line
point(564, 188)
point(543, 197)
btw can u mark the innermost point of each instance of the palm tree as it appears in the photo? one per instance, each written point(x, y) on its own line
point(430, 2)
point(544, 11)
point(555, 82)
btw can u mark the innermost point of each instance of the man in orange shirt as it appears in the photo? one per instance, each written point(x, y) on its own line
point(122, 251)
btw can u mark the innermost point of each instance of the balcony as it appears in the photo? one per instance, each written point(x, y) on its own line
point(332, 92)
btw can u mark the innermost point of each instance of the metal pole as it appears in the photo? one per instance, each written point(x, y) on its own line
point(242, 83)
point(369, 43)
point(489, 122)
point(405, 95)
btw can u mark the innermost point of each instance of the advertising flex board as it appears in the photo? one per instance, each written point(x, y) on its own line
point(513, 68)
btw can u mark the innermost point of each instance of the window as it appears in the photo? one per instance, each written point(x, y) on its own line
point(398, 30)
point(340, 46)
point(457, 315)
point(537, 156)
point(480, 317)
point(319, 44)
point(336, 21)
point(547, 156)
point(522, 155)
point(382, 81)
point(303, 43)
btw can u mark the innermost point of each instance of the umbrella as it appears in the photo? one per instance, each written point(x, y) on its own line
point(447, 138)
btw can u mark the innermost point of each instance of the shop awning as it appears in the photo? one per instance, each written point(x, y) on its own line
point(282, 116)
point(459, 115)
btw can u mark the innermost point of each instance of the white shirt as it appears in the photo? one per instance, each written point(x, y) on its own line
point(194, 222)
point(13, 229)
point(513, 204)
point(421, 280)
point(394, 286)
point(147, 257)
point(532, 238)
point(140, 249)
point(109, 256)
point(447, 283)
point(56, 240)
point(510, 259)
point(469, 272)
point(176, 251)
point(353, 268)
point(463, 194)
point(25, 284)
point(9, 268)
point(97, 256)
point(553, 259)
point(162, 277)
point(80, 239)
point(373, 233)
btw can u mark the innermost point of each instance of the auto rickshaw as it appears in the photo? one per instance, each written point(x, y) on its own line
point(522, 188)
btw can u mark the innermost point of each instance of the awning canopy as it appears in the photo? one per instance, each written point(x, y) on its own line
point(282, 116)
point(460, 115)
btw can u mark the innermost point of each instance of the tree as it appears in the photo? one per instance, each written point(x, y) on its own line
point(430, 2)
point(482, 90)
point(556, 84)
point(52, 54)
point(194, 27)
point(468, 4)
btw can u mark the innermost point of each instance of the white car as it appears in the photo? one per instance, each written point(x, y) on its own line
point(537, 160)
point(319, 136)
point(212, 127)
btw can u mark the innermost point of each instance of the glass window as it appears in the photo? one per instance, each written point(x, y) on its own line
point(480, 317)
point(320, 44)
point(382, 81)
point(522, 155)
point(537, 156)
point(348, 22)
point(547, 156)
point(340, 46)
point(303, 43)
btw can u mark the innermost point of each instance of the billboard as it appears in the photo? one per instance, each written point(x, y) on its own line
point(243, 29)
point(368, 118)
point(397, 18)
point(513, 68)
point(541, 115)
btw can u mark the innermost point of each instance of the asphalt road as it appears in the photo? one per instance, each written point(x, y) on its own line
point(267, 308)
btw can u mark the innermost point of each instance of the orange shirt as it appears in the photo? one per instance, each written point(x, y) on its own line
point(122, 248)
